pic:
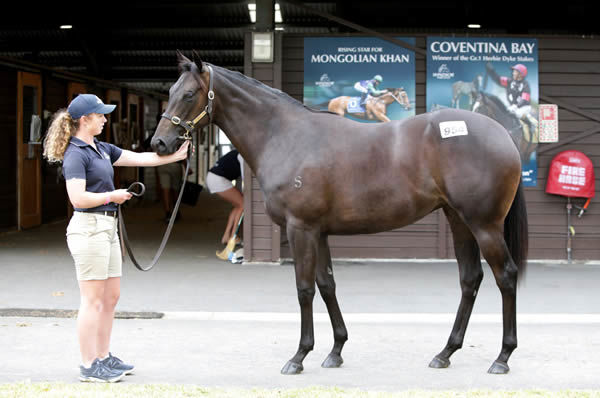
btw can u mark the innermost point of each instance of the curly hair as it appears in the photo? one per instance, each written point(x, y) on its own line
point(62, 127)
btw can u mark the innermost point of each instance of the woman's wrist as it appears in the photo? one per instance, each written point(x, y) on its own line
point(107, 198)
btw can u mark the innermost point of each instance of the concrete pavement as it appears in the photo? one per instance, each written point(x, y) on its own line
point(237, 325)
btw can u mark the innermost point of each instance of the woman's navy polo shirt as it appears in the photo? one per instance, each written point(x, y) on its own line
point(95, 167)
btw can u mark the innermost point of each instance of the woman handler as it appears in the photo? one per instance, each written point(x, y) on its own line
point(92, 231)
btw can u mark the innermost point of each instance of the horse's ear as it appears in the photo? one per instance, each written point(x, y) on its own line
point(197, 60)
point(184, 63)
point(182, 59)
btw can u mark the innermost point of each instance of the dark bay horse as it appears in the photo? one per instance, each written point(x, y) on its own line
point(521, 133)
point(375, 107)
point(322, 174)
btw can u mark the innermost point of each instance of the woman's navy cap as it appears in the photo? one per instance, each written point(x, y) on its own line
point(84, 104)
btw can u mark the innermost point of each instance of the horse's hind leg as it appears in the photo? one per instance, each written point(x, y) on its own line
point(471, 274)
point(304, 245)
point(326, 285)
point(494, 249)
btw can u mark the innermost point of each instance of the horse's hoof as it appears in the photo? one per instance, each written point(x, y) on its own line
point(499, 368)
point(439, 363)
point(332, 361)
point(292, 368)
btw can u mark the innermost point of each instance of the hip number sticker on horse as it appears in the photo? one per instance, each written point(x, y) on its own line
point(452, 129)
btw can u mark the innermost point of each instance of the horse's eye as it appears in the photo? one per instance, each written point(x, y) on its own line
point(188, 96)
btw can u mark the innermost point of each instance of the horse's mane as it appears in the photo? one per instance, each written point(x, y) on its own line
point(280, 94)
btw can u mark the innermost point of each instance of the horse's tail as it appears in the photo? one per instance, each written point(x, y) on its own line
point(516, 231)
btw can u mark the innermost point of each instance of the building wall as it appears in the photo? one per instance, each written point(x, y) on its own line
point(8, 153)
point(54, 200)
point(54, 192)
point(569, 72)
point(261, 236)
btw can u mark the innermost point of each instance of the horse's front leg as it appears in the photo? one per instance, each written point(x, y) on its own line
point(304, 245)
point(326, 285)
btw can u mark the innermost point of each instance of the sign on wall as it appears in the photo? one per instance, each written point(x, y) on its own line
point(548, 123)
point(362, 78)
point(571, 174)
point(497, 77)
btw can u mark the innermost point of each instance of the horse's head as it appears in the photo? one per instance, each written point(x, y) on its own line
point(188, 107)
point(400, 96)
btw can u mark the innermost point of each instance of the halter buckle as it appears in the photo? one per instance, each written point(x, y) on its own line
point(175, 120)
point(211, 95)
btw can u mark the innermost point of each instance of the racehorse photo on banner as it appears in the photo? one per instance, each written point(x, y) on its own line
point(362, 78)
point(497, 77)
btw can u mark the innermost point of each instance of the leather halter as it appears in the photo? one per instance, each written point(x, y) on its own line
point(189, 125)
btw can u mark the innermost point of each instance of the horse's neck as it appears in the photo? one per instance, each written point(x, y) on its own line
point(387, 99)
point(247, 113)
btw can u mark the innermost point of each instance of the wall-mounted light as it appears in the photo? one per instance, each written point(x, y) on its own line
point(473, 26)
point(278, 17)
point(262, 46)
point(252, 12)
point(66, 26)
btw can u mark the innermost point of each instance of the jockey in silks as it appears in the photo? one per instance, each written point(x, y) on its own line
point(518, 93)
point(366, 87)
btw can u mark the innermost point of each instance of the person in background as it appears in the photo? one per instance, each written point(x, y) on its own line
point(92, 231)
point(219, 179)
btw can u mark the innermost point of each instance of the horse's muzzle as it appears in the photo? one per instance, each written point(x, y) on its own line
point(162, 146)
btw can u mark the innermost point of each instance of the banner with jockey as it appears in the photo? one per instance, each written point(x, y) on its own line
point(363, 78)
point(497, 77)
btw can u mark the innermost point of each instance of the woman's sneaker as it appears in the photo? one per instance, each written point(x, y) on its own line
point(100, 373)
point(115, 363)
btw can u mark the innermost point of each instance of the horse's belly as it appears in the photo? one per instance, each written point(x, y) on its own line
point(378, 218)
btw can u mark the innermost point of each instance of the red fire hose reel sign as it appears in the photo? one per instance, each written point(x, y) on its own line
point(571, 174)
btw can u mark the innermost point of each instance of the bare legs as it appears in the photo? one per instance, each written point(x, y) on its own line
point(233, 196)
point(95, 318)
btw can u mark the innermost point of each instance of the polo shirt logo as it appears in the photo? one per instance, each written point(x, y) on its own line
point(105, 155)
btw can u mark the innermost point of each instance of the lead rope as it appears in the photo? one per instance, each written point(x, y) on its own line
point(123, 231)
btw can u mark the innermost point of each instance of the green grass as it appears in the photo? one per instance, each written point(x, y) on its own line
point(123, 390)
